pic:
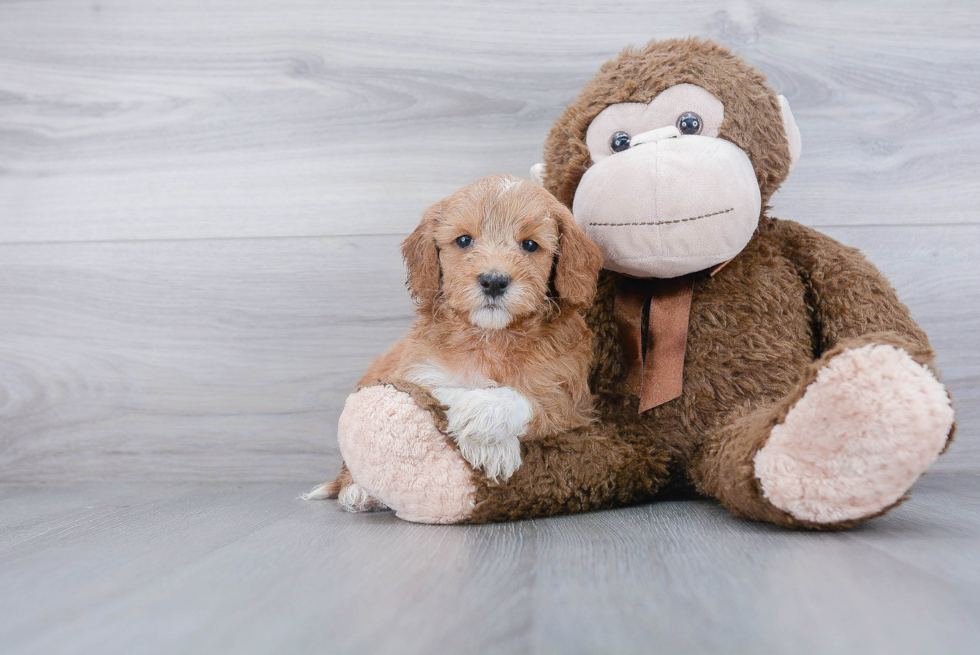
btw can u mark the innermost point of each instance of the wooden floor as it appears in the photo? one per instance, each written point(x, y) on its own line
point(200, 211)
point(248, 568)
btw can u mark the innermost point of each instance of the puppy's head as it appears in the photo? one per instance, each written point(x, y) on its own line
point(501, 249)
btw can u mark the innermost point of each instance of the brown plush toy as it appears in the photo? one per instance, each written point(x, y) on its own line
point(737, 356)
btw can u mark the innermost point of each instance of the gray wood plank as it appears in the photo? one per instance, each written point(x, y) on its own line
point(203, 360)
point(158, 119)
point(938, 529)
point(691, 578)
point(230, 360)
point(183, 569)
point(248, 568)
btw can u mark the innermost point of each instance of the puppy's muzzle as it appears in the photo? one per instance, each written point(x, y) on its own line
point(493, 284)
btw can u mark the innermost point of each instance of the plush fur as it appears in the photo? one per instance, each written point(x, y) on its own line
point(791, 318)
point(750, 357)
point(393, 437)
point(753, 119)
point(891, 422)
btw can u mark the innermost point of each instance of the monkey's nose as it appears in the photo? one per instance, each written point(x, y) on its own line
point(668, 132)
point(493, 284)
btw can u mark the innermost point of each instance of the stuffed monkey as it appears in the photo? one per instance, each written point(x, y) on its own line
point(737, 356)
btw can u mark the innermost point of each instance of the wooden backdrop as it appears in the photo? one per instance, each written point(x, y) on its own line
point(201, 202)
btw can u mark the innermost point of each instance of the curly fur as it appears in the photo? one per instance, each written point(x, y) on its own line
point(521, 376)
point(753, 118)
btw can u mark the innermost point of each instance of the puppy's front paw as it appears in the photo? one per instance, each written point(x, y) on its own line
point(487, 425)
point(498, 460)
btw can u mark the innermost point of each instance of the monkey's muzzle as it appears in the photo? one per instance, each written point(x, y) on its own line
point(669, 205)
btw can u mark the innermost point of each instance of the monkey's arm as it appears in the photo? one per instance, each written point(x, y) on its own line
point(594, 467)
point(393, 440)
point(850, 298)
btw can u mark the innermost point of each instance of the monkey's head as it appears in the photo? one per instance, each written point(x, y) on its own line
point(668, 155)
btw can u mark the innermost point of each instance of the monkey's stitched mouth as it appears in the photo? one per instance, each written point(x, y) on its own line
point(676, 220)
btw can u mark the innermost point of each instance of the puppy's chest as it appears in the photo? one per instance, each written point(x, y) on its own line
point(472, 372)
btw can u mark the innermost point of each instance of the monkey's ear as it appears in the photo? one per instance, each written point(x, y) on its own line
point(537, 173)
point(422, 257)
point(792, 132)
point(579, 261)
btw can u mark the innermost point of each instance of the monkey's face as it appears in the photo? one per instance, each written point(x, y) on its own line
point(672, 182)
point(665, 196)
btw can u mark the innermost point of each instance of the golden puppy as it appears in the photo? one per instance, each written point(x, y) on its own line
point(499, 271)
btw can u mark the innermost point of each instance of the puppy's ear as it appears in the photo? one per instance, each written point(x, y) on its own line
point(422, 257)
point(579, 261)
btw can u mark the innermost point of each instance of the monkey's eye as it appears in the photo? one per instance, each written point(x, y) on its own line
point(529, 246)
point(689, 123)
point(619, 142)
point(464, 241)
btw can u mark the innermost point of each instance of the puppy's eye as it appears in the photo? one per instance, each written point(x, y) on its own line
point(619, 142)
point(464, 241)
point(528, 245)
point(689, 123)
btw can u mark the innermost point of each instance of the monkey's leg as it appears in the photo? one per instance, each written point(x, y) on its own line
point(392, 438)
point(867, 419)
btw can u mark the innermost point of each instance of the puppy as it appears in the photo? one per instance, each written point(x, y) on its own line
point(499, 271)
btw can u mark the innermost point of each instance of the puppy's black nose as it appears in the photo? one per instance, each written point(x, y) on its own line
point(494, 284)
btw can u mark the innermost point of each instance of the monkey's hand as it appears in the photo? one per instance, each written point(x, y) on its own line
point(487, 425)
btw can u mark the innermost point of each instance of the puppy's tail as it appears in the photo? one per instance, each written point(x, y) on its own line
point(331, 489)
point(324, 491)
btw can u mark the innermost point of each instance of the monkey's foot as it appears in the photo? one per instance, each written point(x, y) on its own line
point(860, 436)
point(397, 455)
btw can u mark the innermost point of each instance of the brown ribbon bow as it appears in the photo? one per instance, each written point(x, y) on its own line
point(656, 376)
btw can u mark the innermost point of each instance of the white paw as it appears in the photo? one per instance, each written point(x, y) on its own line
point(860, 436)
point(498, 460)
point(487, 425)
point(353, 498)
